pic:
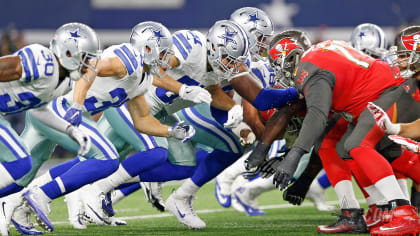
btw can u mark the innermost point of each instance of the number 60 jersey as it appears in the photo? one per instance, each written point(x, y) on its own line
point(38, 84)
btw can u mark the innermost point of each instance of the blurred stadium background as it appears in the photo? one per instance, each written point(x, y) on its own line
point(34, 21)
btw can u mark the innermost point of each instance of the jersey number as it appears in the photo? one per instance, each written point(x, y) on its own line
point(116, 93)
point(27, 101)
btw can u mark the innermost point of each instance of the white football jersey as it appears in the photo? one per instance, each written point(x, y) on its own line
point(38, 85)
point(263, 74)
point(113, 91)
point(190, 49)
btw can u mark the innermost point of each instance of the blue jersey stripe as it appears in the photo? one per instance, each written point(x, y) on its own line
point(25, 66)
point(32, 59)
point(180, 48)
point(130, 56)
point(184, 41)
point(124, 59)
point(260, 76)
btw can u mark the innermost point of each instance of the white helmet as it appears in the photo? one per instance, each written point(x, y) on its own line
point(154, 41)
point(227, 47)
point(75, 44)
point(370, 39)
point(258, 26)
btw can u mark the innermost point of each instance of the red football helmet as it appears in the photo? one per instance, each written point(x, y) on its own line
point(286, 50)
point(406, 52)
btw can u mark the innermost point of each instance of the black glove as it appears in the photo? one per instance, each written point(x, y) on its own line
point(286, 169)
point(295, 193)
point(268, 168)
point(257, 157)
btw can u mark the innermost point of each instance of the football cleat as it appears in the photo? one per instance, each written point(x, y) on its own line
point(404, 221)
point(92, 203)
point(373, 217)
point(182, 208)
point(153, 194)
point(8, 206)
point(317, 195)
point(223, 199)
point(23, 222)
point(350, 221)
point(115, 221)
point(75, 210)
point(249, 205)
point(107, 205)
point(40, 204)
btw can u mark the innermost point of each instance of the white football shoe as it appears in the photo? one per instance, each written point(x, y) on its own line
point(153, 194)
point(22, 221)
point(75, 209)
point(182, 208)
point(317, 195)
point(92, 205)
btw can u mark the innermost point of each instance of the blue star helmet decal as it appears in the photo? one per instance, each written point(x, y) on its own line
point(362, 34)
point(157, 35)
point(75, 34)
point(254, 18)
point(228, 37)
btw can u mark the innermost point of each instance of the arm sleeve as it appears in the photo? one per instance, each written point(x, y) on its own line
point(274, 98)
point(318, 102)
point(47, 116)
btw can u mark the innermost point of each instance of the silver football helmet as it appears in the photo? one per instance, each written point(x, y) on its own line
point(154, 41)
point(370, 39)
point(76, 45)
point(227, 47)
point(406, 52)
point(258, 26)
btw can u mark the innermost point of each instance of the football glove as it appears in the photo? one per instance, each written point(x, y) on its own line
point(195, 94)
point(81, 138)
point(181, 131)
point(382, 119)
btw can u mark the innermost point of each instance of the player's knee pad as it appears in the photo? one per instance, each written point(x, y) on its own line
point(18, 168)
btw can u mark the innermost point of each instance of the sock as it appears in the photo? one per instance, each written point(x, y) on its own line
point(212, 165)
point(324, 181)
point(83, 173)
point(144, 161)
point(345, 194)
point(187, 189)
point(114, 180)
point(390, 189)
point(259, 186)
point(11, 188)
point(63, 167)
point(127, 189)
point(235, 169)
point(402, 182)
point(375, 197)
point(41, 180)
point(116, 196)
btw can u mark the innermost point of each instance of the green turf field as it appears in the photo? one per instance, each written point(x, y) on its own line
point(281, 218)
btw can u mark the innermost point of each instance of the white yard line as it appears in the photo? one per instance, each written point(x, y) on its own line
point(205, 211)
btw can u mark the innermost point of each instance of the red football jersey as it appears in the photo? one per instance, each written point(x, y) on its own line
point(358, 77)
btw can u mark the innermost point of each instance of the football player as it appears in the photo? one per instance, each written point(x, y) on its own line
point(312, 64)
point(32, 77)
point(123, 78)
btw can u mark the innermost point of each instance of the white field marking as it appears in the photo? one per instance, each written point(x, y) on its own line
point(205, 211)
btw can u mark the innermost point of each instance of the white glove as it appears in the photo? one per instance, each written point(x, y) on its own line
point(80, 137)
point(235, 116)
point(250, 137)
point(181, 131)
point(382, 119)
point(406, 143)
point(195, 94)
